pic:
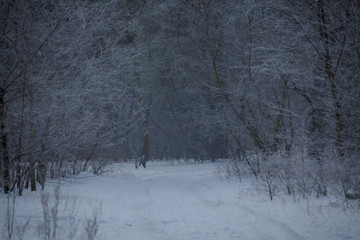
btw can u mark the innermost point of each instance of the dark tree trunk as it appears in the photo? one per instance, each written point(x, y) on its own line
point(146, 154)
point(330, 71)
point(32, 179)
point(4, 146)
point(145, 121)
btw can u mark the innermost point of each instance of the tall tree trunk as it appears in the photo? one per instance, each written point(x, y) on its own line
point(145, 121)
point(19, 164)
point(32, 172)
point(146, 150)
point(330, 75)
point(4, 145)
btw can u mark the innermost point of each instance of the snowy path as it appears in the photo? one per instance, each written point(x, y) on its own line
point(191, 202)
point(183, 202)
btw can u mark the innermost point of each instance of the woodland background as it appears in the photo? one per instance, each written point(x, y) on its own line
point(272, 84)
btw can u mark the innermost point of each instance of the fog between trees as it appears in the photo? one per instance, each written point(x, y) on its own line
point(272, 84)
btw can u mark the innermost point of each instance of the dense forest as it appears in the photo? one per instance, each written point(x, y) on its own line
point(274, 85)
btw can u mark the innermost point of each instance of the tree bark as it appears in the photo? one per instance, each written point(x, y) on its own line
point(4, 145)
point(145, 122)
point(330, 75)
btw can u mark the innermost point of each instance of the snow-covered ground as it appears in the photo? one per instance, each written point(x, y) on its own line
point(185, 201)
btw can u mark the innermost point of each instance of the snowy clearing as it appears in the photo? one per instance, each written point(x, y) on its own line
point(186, 201)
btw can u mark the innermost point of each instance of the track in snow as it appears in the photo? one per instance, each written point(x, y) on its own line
point(180, 202)
point(191, 202)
